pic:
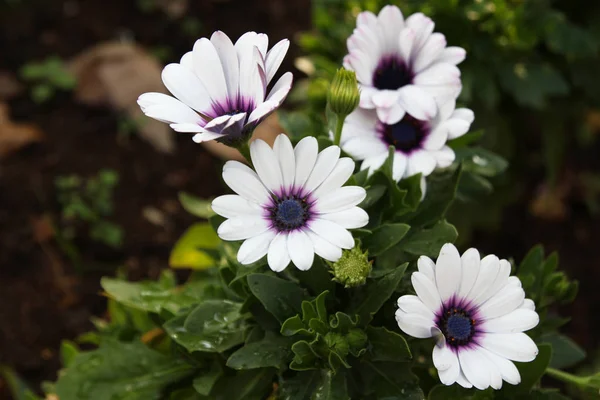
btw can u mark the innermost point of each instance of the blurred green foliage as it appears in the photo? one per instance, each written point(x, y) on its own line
point(530, 76)
point(47, 77)
point(86, 203)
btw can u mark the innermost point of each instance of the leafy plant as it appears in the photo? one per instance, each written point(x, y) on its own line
point(86, 204)
point(47, 77)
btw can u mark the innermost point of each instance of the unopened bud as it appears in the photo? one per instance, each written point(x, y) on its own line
point(343, 95)
point(352, 268)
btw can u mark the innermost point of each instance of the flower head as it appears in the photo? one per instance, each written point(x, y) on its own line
point(220, 88)
point(401, 65)
point(420, 143)
point(476, 312)
point(353, 268)
point(293, 206)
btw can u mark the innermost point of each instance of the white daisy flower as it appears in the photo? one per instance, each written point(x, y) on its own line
point(476, 311)
point(401, 65)
point(220, 88)
point(293, 206)
point(420, 143)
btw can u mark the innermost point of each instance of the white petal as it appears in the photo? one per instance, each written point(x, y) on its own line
point(385, 98)
point(326, 161)
point(189, 128)
point(229, 62)
point(462, 381)
point(456, 127)
point(446, 361)
point(392, 114)
point(417, 102)
point(364, 147)
point(411, 304)
point(209, 69)
point(514, 346)
point(232, 205)
point(431, 50)
point(266, 165)
point(423, 26)
point(399, 166)
point(351, 218)
point(281, 88)
point(488, 271)
point(475, 367)
point(202, 137)
point(518, 320)
point(245, 182)
point(507, 369)
point(274, 58)
point(426, 291)
point(287, 162)
point(306, 155)
point(301, 250)
point(464, 114)
point(255, 248)
point(500, 282)
point(263, 110)
point(405, 42)
point(470, 262)
point(240, 228)
point(339, 175)
point(452, 55)
point(278, 256)
point(448, 271)
point(187, 60)
point(186, 86)
point(391, 23)
point(420, 162)
point(444, 157)
point(436, 139)
point(374, 163)
point(528, 304)
point(340, 199)
point(427, 267)
point(334, 233)
point(414, 324)
point(438, 74)
point(507, 300)
point(168, 109)
point(323, 248)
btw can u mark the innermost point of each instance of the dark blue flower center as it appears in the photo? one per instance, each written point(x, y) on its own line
point(406, 135)
point(391, 73)
point(457, 325)
point(289, 213)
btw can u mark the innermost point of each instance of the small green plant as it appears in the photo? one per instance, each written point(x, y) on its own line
point(86, 203)
point(47, 77)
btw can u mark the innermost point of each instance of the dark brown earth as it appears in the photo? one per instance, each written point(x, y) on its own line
point(43, 299)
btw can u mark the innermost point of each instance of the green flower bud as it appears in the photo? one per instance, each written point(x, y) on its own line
point(352, 268)
point(343, 94)
point(338, 343)
point(357, 339)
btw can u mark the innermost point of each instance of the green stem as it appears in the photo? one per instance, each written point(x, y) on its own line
point(566, 377)
point(338, 129)
point(245, 150)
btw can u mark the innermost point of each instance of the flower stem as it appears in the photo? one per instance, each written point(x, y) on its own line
point(566, 377)
point(244, 148)
point(338, 129)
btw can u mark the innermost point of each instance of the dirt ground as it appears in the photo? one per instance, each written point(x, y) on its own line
point(43, 299)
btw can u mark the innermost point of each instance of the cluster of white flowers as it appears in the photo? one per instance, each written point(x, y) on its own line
point(294, 204)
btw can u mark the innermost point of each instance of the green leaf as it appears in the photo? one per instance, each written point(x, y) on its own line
point(481, 161)
point(298, 387)
point(120, 371)
point(247, 385)
point(213, 326)
point(466, 139)
point(331, 387)
point(190, 249)
point(387, 345)
point(196, 206)
point(304, 356)
point(154, 296)
point(281, 298)
point(206, 380)
point(317, 279)
point(376, 292)
point(532, 372)
point(68, 352)
point(565, 352)
point(428, 242)
point(384, 237)
point(272, 351)
point(456, 392)
point(390, 381)
point(532, 84)
point(18, 389)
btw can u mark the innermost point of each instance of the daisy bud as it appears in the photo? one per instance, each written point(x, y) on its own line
point(352, 268)
point(343, 94)
point(338, 343)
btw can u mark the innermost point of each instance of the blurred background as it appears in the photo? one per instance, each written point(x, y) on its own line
point(89, 187)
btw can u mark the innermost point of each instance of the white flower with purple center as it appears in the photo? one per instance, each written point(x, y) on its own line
point(401, 65)
point(476, 312)
point(220, 88)
point(293, 206)
point(420, 144)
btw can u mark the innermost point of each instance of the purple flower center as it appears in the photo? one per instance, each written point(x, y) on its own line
point(458, 326)
point(289, 212)
point(234, 134)
point(392, 73)
point(405, 135)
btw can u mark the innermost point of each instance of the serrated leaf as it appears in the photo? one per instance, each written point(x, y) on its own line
point(281, 298)
point(190, 251)
point(387, 345)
